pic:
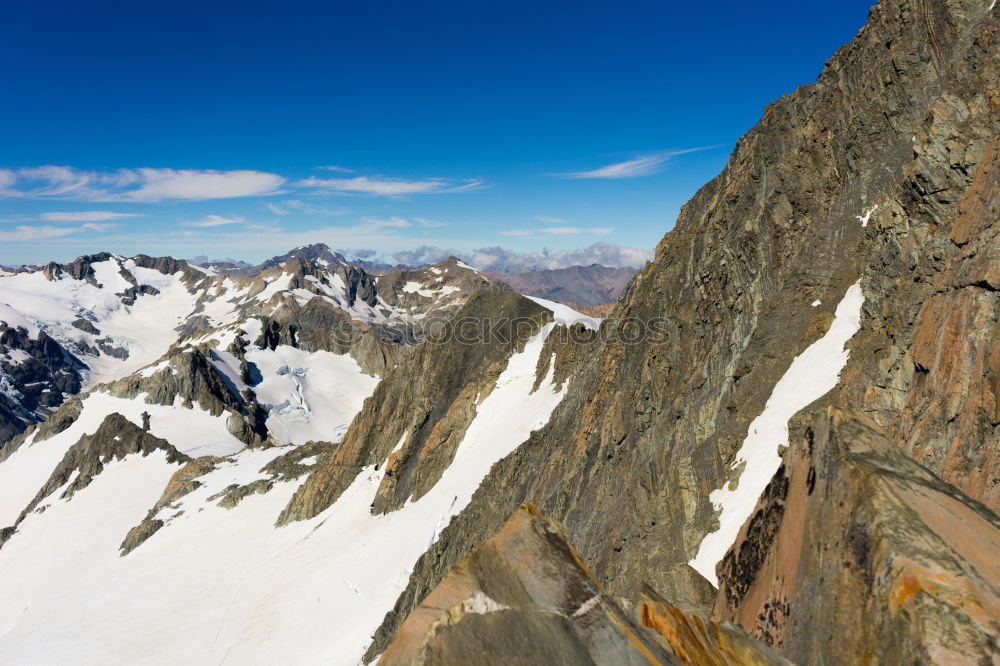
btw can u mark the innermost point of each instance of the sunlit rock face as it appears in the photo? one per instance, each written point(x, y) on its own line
point(776, 405)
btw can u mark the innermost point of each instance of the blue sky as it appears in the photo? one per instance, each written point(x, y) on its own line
point(242, 129)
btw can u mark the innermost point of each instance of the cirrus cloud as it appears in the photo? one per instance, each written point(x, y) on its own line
point(28, 233)
point(634, 168)
point(389, 187)
point(85, 216)
point(146, 185)
point(215, 221)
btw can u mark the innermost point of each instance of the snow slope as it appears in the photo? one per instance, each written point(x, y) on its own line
point(194, 432)
point(566, 315)
point(309, 396)
point(35, 302)
point(812, 374)
point(223, 586)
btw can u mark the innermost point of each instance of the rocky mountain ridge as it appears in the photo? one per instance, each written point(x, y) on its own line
point(779, 447)
point(72, 326)
point(863, 175)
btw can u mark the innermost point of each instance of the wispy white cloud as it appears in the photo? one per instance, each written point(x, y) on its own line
point(293, 206)
point(391, 223)
point(334, 167)
point(635, 168)
point(29, 233)
point(559, 231)
point(640, 166)
point(93, 226)
point(23, 233)
point(85, 216)
point(162, 184)
point(429, 223)
point(138, 185)
point(215, 221)
point(551, 220)
point(389, 187)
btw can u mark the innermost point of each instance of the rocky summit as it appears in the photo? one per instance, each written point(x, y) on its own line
point(781, 445)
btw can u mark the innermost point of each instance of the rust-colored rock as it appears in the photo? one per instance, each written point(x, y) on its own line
point(856, 554)
point(950, 421)
point(695, 641)
point(523, 597)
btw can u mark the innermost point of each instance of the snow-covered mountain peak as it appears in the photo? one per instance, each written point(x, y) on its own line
point(105, 316)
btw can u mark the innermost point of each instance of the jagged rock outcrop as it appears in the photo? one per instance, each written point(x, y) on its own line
point(695, 641)
point(79, 269)
point(183, 481)
point(321, 326)
point(36, 375)
point(854, 539)
point(114, 439)
point(421, 409)
point(286, 467)
point(525, 597)
point(188, 373)
point(132, 293)
point(901, 118)
point(360, 285)
point(86, 326)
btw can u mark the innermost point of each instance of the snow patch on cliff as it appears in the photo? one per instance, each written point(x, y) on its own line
point(812, 374)
point(565, 315)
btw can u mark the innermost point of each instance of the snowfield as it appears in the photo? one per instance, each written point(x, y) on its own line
point(224, 586)
point(36, 303)
point(309, 396)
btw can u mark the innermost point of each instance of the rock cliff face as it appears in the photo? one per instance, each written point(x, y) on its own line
point(949, 419)
point(854, 535)
point(36, 376)
point(524, 597)
point(879, 171)
point(421, 410)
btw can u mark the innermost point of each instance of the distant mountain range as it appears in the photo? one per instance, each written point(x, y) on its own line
point(583, 285)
